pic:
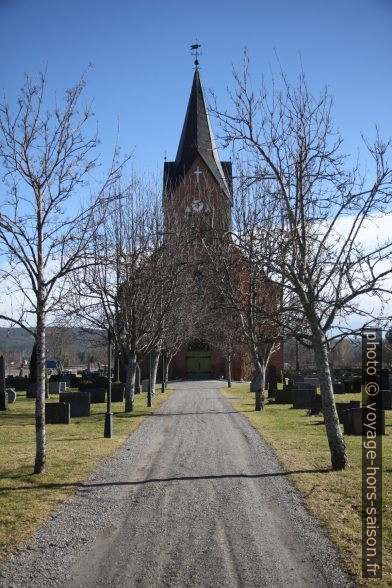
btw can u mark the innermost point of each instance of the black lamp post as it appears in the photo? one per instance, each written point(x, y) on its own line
point(108, 431)
point(163, 386)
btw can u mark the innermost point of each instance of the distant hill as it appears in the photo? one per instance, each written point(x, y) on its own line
point(69, 346)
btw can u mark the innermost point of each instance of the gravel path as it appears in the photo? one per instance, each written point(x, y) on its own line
point(194, 498)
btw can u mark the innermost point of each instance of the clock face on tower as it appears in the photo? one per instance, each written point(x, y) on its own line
point(197, 206)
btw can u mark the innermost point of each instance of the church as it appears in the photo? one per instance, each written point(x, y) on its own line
point(197, 187)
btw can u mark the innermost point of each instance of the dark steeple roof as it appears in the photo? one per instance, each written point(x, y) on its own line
point(197, 139)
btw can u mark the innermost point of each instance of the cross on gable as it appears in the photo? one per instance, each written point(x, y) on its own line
point(197, 173)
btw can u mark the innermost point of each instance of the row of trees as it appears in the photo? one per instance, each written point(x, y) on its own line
point(294, 262)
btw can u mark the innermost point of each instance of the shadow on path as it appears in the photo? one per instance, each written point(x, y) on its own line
point(171, 479)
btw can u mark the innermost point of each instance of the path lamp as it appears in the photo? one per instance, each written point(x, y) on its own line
point(108, 431)
point(163, 372)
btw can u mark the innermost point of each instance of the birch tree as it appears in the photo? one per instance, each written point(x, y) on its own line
point(46, 158)
point(321, 250)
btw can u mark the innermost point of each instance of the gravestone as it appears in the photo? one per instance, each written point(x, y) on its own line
point(272, 381)
point(316, 405)
point(387, 399)
point(302, 398)
point(11, 395)
point(313, 381)
point(118, 392)
point(101, 382)
point(385, 379)
point(298, 378)
point(356, 385)
point(20, 384)
point(283, 396)
point(341, 409)
point(79, 402)
point(97, 395)
point(10, 381)
point(145, 384)
point(338, 388)
point(353, 422)
point(57, 387)
point(57, 413)
point(31, 390)
point(3, 401)
point(2, 375)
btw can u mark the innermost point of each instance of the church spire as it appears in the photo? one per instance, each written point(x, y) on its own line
point(197, 139)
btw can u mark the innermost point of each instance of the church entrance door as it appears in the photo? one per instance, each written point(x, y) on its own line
point(198, 360)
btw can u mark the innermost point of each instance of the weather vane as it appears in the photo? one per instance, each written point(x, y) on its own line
point(195, 52)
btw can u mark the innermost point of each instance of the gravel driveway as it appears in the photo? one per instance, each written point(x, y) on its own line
point(194, 498)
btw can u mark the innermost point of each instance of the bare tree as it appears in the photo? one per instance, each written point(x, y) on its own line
point(46, 159)
point(295, 153)
point(256, 305)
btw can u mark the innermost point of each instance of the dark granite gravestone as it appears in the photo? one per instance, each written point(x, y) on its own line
point(20, 384)
point(356, 385)
point(56, 387)
point(316, 405)
point(79, 402)
point(272, 381)
point(2, 375)
point(3, 401)
point(338, 388)
point(384, 379)
point(302, 398)
point(353, 422)
point(31, 390)
point(387, 399)
point(10, 381)
point(101, 382)
point(341, 409)
point(118, 392)
point(298, 378)
point(11, 395)
point(284, 396)
point(57, 413)
point(97, 395)
point(313, 381)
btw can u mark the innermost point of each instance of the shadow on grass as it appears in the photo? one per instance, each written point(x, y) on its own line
point(82, 487)
point(166, 414)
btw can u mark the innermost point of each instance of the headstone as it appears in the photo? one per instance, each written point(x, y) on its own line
point(313, 381)
point(118, 392)
point(385, 379)
point(387, 399)
point(2, 375)
point(10, 381)
point(57, 413)
point(57, 387)
point(348, 386)
point(11, 395)
point(356, 385)
point(353, 422)
point(272, 381)
point(341, 409)
point(284, 396)
point(3, 401)
point(298, 378)
point(79, 402)
point(302, 398)
point(316, 405)
point(31, 391)
point(101, 382)
point(97, 395)
point(338, 388)
point(20, 384)
point(145, 384)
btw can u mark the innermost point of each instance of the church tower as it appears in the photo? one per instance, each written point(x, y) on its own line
point(197, 185)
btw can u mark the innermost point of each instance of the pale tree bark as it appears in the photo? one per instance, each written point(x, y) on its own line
point(130, 382)
point(318, 212)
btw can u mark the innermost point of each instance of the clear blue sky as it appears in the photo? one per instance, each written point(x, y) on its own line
point(143, 69)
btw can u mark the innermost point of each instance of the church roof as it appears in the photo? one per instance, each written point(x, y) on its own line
point(197, 138)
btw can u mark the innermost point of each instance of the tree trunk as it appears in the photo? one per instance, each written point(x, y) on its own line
point(40, 433)
point(137, 384)
point(153, 376)
point(167, 365)
point(130, 383)
point(228, 360)
point(336, 442)
point(259, 384)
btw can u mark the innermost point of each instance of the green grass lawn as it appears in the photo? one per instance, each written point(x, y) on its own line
point(335, 497)
point(26, 500)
